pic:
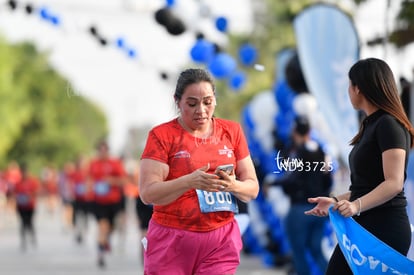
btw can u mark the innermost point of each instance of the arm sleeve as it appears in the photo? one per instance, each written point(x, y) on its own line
point(155, 149)
point(391, 134)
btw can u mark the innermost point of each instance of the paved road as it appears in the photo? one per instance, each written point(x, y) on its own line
point(57, 252)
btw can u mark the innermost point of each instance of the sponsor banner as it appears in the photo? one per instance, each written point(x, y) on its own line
point(364, 252)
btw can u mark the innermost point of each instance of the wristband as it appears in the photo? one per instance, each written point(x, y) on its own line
point(335, 198)
point(360, 206)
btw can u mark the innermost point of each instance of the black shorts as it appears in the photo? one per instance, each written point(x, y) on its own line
point(84, 207)
point(106, 212)
point(144, 213)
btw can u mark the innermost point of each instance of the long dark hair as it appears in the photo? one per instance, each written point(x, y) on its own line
point(376, 82)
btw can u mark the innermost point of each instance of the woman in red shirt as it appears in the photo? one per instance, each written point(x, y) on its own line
point(192, 229)
point(107, 176)
point(25, 193)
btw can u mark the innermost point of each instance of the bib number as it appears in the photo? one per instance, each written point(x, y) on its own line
point(217, 201)
point(22, 199)
point(80, 189)
point(101, 188)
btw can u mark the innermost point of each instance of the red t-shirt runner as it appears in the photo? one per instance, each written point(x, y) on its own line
point(78, 184)
point(171, 144)
point(26, 191)
point(99, 170)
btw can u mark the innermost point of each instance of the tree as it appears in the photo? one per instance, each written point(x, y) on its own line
point(403, 33)
point(42, 120)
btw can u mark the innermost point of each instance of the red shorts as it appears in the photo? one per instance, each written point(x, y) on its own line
point(179, 252)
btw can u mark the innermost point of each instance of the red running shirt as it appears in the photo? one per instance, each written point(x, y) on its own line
point(171, 144)
point(26, 191)
point(100, 169)
point(80, 189)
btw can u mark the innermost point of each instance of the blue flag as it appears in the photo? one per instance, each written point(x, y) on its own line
point(409, 193)
point(328, 45)
point(364, 252)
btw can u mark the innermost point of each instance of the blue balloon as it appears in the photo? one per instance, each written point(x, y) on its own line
point(284, 123)
point(203, 51)
point(222, 65)
point(44, 13)
point(237, 80)
point(170, 3)
point(221, 23)
point(247, 54)
point(284, 96)
point(55, 20)
point(120, 42)
point(132, 53)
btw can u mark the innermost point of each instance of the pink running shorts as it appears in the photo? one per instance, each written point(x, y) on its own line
point(173, 251)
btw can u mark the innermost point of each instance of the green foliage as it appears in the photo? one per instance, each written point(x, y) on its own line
point(406, 14)
point(42, 121)
point(404, 32)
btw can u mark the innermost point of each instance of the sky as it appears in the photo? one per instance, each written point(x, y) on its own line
point(130, 90)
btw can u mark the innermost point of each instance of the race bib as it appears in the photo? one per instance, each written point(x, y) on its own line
point(22, 199)
point(101, 188)
point(217, 201)
point(80, 189)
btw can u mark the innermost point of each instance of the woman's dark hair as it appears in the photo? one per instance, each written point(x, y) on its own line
point(191, 76)
point(301, 125)
point(376, 82)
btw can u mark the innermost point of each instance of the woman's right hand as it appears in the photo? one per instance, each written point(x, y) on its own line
point(200, 179)
point(322, 206)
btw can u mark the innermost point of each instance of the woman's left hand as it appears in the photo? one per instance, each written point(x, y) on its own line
point(347, 208)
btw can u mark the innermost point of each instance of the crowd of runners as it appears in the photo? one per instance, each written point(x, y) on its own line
point(95, 189)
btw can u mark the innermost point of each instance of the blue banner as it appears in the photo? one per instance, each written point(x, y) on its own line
point(328, 45)
point(365, 253)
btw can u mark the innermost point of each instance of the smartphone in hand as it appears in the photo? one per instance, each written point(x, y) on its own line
point(227, 168)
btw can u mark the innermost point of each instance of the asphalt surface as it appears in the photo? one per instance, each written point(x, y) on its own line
point(57, 252)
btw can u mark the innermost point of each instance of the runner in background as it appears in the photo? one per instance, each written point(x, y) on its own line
point(83, 199)
point(25, 193)
point(108, 176)
point(12, 175)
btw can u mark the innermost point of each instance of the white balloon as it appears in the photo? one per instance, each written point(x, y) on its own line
point(305, 104)
point(263, 108)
